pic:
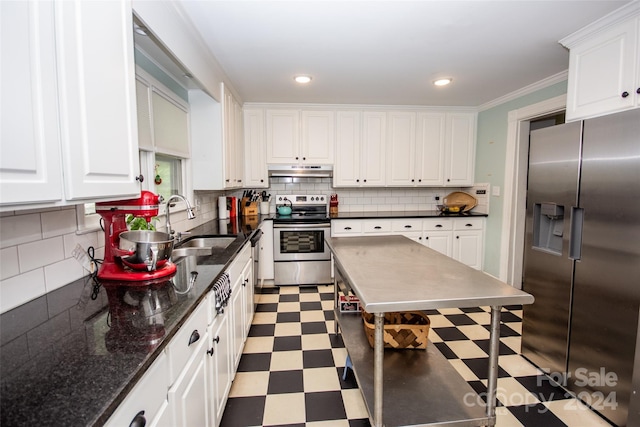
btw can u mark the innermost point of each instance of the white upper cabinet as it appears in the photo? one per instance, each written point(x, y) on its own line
point(460, 149)
point(30, 168)
point(232, 140)
point(604, 65)
point(430, 149)
point(297, 136)
point(256, 174)
point(360, 149)
point(96, 91)
point(73, 103)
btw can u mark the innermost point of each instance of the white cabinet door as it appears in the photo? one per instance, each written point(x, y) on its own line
point(460, 149)
point(441, 241)
point(148, 398)
point(208, 154)
point(430, 149)
point(373, 149)
point(143, 110)
point(190, 394)
point(283, 136)
point(238, 143)
point(346, 171)
point(256, 174)
point(467, 247)
point(220, 365)
point(603, 72)
point(401, 149)
point(247, 297)
point(318, 137)
point(237, 322)
point(266, 251)
point(30, 168)
point(97, 98)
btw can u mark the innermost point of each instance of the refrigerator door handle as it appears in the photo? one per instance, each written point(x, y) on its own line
point(575, 241)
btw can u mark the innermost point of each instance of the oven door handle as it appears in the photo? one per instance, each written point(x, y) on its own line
point(302, 225)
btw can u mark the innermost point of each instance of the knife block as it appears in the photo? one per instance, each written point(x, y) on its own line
point(249, 208)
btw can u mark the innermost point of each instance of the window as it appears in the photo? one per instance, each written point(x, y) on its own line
point(168, 176)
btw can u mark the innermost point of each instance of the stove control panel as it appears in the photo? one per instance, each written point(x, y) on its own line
point(302, 199)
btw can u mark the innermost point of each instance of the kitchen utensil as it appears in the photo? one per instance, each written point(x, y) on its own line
point(454, 208)
point(460, 198)
point(145, 250)
point(284, 209)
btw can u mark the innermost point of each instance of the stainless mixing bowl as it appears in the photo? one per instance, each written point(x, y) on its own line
point(145, 250)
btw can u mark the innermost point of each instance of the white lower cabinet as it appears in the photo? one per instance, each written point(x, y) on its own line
point(221, 371)
point(459, 238)
point(148, 399)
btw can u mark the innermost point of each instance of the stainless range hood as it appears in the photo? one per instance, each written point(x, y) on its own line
point(307, 171)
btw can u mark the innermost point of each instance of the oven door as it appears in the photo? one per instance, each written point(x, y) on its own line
point(300, 242)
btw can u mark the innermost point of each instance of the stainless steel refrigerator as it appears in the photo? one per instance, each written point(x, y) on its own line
point(582, 258)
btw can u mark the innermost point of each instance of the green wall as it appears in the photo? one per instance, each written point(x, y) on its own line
point(490, 163)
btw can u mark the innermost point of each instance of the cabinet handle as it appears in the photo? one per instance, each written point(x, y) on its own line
point(377, 227)
point(365, 180)
point(139, 420)
point(457, 237)
point(468, 225)
point(438, 225)
point(195, 336)
point(426, 238)
point(245, 282)
point(413, 180)
point(140, 178)
point(296, 158)
point(357, 180)
point(210, 351)
point(262, 180)
point(216, 339)
point(638, 91)
point(420, 238)
point(625, 94)
point(304, 158)
point(448, 180)
point(226, 180)
point(239, 180)
point(347, 228)
point(407, 226)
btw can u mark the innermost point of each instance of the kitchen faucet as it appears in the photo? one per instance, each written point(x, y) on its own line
point(190, 213)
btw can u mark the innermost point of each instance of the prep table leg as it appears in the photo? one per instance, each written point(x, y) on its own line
point(378, 357)
point(494, 347)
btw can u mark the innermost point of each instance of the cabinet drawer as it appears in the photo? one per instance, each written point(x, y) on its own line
point(468, 223)
point(376, 226)
point(437, 224)
point(149, 395)
point(179, 350)
point(345, 227)
point(406, 226)
point(235, 269)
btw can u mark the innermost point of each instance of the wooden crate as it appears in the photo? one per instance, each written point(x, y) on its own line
point(402, 330)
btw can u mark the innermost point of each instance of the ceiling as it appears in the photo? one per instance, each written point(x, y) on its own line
point(389, 52)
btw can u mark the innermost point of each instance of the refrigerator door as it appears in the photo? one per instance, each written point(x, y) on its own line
point(552, 190)
point(607, 278)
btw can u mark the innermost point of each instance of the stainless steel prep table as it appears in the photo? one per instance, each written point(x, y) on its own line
point(394, 273)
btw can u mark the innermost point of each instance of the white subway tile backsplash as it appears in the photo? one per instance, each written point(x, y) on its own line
point(20, 289)
point(57, 223)
point(9, 262)
point(85, 240)
point(41, 253)
point(18, 229)
point(62, 273)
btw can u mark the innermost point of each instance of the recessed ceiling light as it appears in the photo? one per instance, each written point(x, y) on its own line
point(443, 82)
point(302, 79)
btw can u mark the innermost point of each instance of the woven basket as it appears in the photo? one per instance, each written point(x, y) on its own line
point(402, 330)
point(459, 198)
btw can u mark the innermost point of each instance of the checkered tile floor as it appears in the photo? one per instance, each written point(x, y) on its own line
point(292, 365)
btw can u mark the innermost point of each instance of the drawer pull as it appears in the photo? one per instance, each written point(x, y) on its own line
point(245, 282)
point(216, 339)
point(195, 336)
point(407, 226)
point(438, 225)
point(139, 420)
point(377, 227)
point(347, 228)
point(625, 94)
point(210, 352)
point(468, 225)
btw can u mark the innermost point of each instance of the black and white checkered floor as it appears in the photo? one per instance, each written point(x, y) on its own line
point(292, 367)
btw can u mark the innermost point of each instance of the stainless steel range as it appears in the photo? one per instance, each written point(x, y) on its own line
point(300, 255)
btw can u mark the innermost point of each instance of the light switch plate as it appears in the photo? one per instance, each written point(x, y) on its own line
point(495, 191)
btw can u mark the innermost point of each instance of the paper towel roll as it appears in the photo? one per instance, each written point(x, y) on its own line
point(222, 207)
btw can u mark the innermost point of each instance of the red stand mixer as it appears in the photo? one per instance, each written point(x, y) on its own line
point(114, 215)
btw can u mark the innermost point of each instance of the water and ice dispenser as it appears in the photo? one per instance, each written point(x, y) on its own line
point(548, 227)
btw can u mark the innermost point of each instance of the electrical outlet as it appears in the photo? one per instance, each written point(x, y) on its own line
point(83, 258)
point(437, 198)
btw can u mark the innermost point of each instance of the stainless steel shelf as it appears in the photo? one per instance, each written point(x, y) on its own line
point(421, 388)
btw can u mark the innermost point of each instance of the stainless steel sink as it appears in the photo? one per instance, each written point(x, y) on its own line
point(208, 242)
point(201, 246)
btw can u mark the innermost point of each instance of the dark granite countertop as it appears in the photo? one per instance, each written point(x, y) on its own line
point(404, 214)
point(66, 359)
